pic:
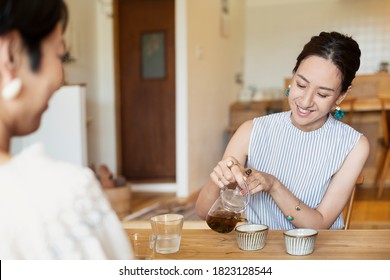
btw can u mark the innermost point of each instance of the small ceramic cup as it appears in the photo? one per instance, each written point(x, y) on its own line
point(300, 241)
point(251, 236)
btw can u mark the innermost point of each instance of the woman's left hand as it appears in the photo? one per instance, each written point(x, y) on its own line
point(260, 181)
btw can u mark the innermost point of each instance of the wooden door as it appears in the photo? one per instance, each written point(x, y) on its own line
point(147, 89)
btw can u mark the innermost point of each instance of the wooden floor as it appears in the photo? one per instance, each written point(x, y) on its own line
point(367, 211)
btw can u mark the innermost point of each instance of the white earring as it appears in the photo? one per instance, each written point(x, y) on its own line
point(12, 89)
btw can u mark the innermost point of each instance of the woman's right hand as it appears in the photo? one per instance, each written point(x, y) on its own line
point(228, 171)
point(222, 175)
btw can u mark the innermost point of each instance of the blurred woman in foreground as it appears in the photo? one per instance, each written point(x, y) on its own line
point(48, 209)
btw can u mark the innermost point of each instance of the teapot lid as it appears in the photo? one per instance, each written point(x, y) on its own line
point(234, 201)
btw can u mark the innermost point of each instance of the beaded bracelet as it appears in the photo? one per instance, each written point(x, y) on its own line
point(298, 208)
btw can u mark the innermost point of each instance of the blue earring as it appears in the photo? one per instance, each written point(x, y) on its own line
point(288, 90)
point(339, 113)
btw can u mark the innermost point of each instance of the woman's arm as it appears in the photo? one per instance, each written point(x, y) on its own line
point(337, 195)
point(236, 150)
point(343, 182)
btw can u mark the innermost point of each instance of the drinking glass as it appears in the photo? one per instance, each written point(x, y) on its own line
point(167, 228)
point(143, 245)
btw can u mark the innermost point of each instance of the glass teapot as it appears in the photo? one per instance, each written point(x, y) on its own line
point(227, 210)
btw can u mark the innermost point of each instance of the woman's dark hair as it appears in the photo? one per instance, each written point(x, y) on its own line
point(342, 50)
point(34, 20)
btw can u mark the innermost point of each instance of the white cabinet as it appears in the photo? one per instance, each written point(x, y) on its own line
point(63, 129)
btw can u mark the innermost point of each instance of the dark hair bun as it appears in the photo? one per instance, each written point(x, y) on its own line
point(341, 49)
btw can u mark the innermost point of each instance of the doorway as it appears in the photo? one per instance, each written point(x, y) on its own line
point(146, 41)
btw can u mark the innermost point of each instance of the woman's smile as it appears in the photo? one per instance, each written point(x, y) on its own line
point(303, 112)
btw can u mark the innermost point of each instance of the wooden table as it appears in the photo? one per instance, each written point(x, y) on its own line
point(204, 244)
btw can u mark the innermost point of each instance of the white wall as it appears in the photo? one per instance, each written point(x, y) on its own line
point(181, 59)
point(277, 30)
point(91, 42)
point(213, 61)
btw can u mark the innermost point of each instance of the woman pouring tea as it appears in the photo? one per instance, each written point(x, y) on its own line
point(305, 161)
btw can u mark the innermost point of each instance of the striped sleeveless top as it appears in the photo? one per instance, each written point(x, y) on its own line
point(302, 161)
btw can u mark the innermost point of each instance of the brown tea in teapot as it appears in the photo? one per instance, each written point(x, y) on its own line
point(223, 221)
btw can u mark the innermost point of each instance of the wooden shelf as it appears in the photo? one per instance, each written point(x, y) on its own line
point(243, 111)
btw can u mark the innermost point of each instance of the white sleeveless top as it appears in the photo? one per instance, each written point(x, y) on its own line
point(303, 161)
